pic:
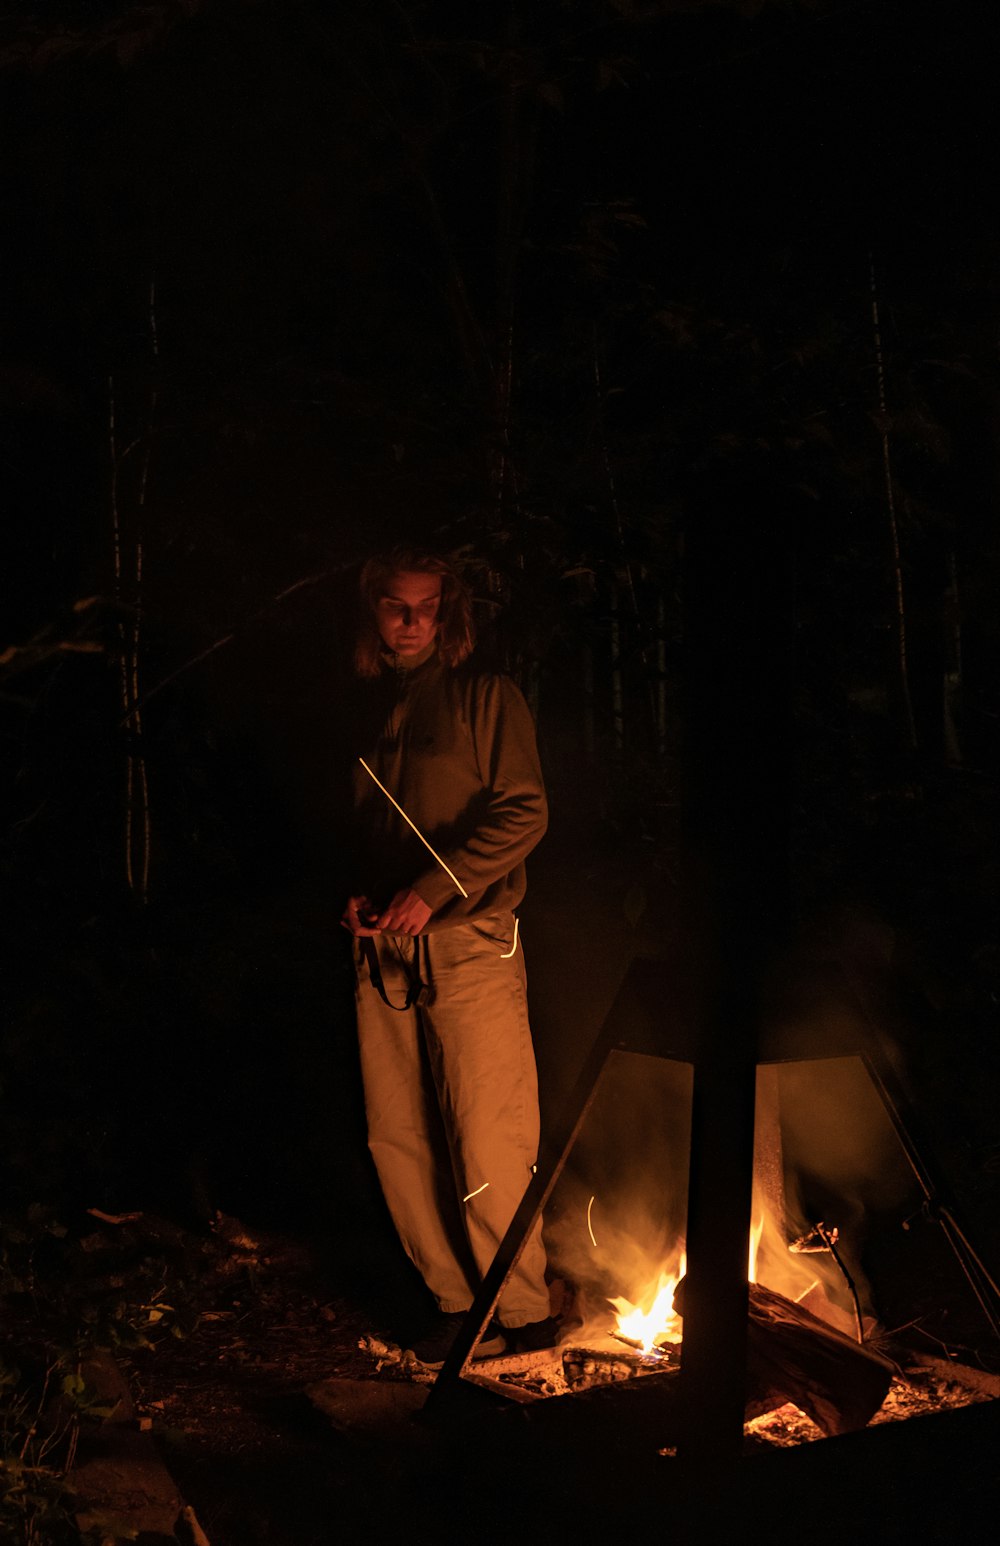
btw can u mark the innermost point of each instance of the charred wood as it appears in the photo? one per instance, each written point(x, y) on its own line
point(793, 1356)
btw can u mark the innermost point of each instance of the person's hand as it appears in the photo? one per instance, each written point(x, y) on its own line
point(358, 907)
point(407, 913)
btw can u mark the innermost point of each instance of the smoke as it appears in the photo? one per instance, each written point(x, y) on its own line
point(837, 1134)
point(616, 1217)
point(822, 1126)
point(843, 1166)
point(825, 1151)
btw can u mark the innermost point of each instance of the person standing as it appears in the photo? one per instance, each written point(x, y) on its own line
point(446, 1055)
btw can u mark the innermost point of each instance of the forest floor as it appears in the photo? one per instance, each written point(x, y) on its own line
point(281, 1425)
point(248, 1449)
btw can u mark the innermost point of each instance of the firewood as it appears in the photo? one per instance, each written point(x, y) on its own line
point(584, 1367)
point(793, 1356)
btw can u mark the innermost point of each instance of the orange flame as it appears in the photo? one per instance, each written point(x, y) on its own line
point(756, 1230)
point(658, 1322)
point(653, 1320)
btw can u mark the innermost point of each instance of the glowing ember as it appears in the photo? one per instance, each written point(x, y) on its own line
point(658, 1323)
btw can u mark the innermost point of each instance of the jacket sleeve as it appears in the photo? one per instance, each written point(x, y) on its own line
point(515, 813)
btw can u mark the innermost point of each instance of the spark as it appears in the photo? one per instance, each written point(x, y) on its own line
point(589, 1225)
point(506, 955)
point(450, 873)
point(476, 1192)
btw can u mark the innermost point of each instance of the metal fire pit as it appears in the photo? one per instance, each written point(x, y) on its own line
point(660, 1012)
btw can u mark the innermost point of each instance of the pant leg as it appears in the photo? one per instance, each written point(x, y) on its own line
point(405, 1132)
point(483, 1062)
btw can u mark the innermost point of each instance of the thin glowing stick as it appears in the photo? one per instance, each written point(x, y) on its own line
point(416, 829)
point(592, 1240)
point(476, 1192)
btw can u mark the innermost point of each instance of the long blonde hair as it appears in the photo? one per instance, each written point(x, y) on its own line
point(456, 631)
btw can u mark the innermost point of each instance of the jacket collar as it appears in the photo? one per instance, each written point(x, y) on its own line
point(403, 665)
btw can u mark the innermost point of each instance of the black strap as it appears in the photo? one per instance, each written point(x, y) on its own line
point(417, 991)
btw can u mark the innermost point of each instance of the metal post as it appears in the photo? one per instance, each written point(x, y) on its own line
point(735, 758)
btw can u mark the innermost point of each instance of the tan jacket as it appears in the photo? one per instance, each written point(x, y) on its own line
point(457, 749)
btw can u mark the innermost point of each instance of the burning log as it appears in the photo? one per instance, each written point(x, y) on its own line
point(584, 1367)
point(793, 1356)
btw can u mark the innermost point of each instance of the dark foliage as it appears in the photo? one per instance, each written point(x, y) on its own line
point(286, 279)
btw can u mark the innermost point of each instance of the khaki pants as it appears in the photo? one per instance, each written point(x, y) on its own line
point(452, 1104)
